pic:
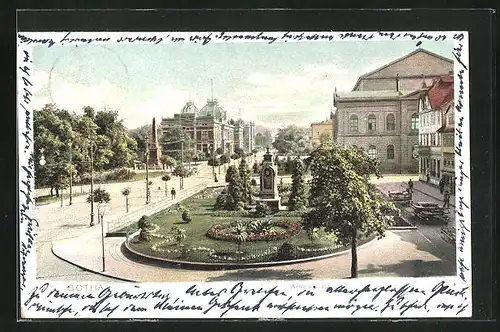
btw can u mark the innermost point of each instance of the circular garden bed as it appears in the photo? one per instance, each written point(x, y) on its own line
point(227, 237)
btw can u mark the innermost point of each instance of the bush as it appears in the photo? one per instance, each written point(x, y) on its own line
point(287, 251)
point(220, 202)
point(253, 182)
point(146, 228)
point(185, 216)
point(262, 210)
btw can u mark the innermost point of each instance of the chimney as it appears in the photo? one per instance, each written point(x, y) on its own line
point(397, 82)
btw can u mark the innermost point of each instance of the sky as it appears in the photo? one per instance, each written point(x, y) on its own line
point(272, 84)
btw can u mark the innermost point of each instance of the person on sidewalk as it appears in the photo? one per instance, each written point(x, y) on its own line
point(441, 185)
point(446, 199)
point(172, 192)
point(410, 187)
point(428, 175)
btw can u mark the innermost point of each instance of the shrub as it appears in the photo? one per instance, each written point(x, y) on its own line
point(185, 216)
point(262, 210)
point(253, 182)
point(220, 202)
point(146, 228)
point(287, 251)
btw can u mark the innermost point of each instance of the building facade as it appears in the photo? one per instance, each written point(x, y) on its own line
point(210, 130)
point(249, 137)
point(208, 127)
point(320, 130)
point(434, 105)
point(381, 114)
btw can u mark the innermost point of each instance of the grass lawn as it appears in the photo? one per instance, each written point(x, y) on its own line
point(203, 217)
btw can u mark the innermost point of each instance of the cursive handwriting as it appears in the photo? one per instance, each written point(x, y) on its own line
point(27, 170)
point(241, 298)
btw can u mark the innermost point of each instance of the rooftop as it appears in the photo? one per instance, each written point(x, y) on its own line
point(441, 91)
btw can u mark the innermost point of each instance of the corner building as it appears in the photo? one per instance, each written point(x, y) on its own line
point(381, 113)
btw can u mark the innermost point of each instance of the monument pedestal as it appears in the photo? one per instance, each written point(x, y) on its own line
point(268, 184)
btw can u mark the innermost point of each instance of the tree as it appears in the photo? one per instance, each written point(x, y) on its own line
point(234, 199)
point(240, 234)
point(172, 140)
point(166, 178)
point(182, 171)
point(101, 197)
point(342, 199)
point(291, 139)
point(263, 139)
point(146, 228)
point(325, 137)
point(167, 161)
point(244, 173)
point(235, 156)
point(298, 195)
point(126, 193)
point(224, 159)
point(240, 152)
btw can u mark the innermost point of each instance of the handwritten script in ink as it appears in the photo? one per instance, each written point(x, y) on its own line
point(462, 205)
point(27, 170)
point(222, 301)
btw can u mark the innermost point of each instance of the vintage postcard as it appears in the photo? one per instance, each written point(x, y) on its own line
point(244, 175)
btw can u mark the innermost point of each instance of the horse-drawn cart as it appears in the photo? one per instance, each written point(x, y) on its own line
point(429, 213)
point(401, 197)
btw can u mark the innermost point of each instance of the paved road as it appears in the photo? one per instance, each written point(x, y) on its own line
point(58, 223)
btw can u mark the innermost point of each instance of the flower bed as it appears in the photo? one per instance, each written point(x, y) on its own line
point(280, 230)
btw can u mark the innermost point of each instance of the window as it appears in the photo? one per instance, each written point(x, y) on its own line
point(433, 118)
point(372, 122)
point(390, 122)
point(353, 123)
point(372, 152)
point(204, 135)
point(390, 152)
point(451, 118)
point(414, 122)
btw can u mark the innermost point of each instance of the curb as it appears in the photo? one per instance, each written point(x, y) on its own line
point(89, 270)
point(233, 266)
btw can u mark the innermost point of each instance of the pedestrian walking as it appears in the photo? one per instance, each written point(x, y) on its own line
point(410, 187)
point(428, 175)
point(172, 192)
point(441, 185)
point(446, 199)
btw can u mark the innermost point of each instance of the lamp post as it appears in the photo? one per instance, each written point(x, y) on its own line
point(100, 209)
point(147, 177)
point(213, 159)
point(181, 178)
point(91, 183)
point(70, 173)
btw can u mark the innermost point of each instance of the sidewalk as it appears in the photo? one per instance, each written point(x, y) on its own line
point(398, 254)
point(431, 191)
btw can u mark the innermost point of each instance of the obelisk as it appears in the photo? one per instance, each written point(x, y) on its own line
point(154, 148)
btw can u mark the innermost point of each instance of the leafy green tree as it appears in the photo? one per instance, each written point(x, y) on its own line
point(263, 139)
point(235, 199)
point(343, 201)
point(126, 193)
point(291, 139)
point(240, 234)
point(172, 140)
point(183, 171)
point(244, 173)
point(298, 195)
point(240, 152)
point(168, 161)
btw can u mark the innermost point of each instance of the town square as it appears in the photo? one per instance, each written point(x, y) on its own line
point(229, 162)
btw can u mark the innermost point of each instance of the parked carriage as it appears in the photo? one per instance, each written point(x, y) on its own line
point(430, 213)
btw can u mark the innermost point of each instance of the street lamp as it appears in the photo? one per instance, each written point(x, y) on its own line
point(70, 173)
point(42, 161)
point(101, 209)
point(211, 147)
point(147, 177)
point(91, 183)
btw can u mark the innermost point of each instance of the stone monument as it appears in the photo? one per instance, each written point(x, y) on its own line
point(154, 147)
point(268, 183)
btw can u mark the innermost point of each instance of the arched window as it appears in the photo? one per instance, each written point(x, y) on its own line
point(353, 123)
point(390, 122)
point(390, 151)
point(372, 122)
point(414, 122)
point(372, 152)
